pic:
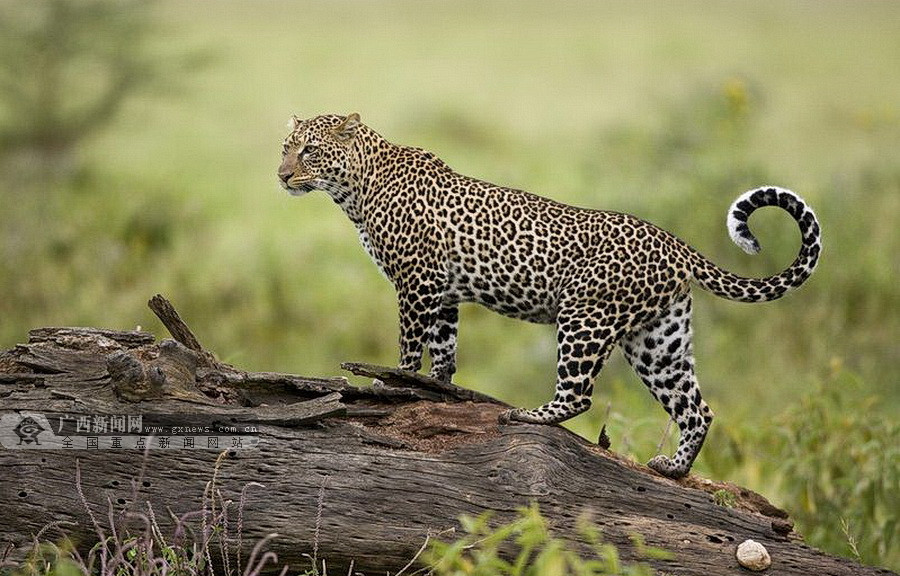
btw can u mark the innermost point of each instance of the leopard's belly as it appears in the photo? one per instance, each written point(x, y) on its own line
point(515, 295)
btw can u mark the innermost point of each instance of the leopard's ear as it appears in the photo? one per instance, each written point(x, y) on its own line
point(346, 130)
point(294, 122)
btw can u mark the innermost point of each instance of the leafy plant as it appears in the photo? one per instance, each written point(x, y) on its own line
point(526, 547)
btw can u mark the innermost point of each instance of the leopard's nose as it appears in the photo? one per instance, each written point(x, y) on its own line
point(284, 176)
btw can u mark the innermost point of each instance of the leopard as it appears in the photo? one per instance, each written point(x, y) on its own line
point(604, 278)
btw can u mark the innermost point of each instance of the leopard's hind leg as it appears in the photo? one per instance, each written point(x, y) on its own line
point(661, 352)
point(585, 340)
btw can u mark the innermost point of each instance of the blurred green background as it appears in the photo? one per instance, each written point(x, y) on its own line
point(139, 142)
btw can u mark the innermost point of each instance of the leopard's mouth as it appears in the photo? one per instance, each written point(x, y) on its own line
point(298, 186)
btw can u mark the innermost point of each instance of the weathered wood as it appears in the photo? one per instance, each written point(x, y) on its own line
point(173, 323)
point(394, 377)
point(397, 463)
point(291, 415)
point(72, 337)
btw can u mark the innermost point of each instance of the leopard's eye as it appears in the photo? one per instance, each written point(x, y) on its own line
point(310, 150)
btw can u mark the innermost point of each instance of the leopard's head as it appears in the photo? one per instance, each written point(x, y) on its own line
point(318, 153)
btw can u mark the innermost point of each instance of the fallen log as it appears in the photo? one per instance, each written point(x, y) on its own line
point(358, 474)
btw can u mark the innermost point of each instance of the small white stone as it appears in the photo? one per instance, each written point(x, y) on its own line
point(753, 555)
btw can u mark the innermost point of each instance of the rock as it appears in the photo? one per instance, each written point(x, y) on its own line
point(753, 556)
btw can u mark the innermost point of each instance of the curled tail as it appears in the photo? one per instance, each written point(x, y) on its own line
point(727, 285)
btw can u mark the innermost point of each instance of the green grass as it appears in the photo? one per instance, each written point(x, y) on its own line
point(667, 111)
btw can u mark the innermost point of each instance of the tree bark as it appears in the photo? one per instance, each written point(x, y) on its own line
point(361, 474)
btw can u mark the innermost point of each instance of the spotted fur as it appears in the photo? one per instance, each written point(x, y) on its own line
point(604, 278)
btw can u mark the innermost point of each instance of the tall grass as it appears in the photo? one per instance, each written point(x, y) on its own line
point(130, 541)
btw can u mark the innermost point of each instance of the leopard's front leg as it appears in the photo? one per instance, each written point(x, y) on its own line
point(442, 342)
point(419, 307)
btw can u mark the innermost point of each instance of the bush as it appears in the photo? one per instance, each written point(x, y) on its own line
point(831, 459)
point(840, 469)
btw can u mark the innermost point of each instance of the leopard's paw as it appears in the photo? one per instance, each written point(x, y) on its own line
point(441, 374)
point(667, 467)
point(511, 416)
